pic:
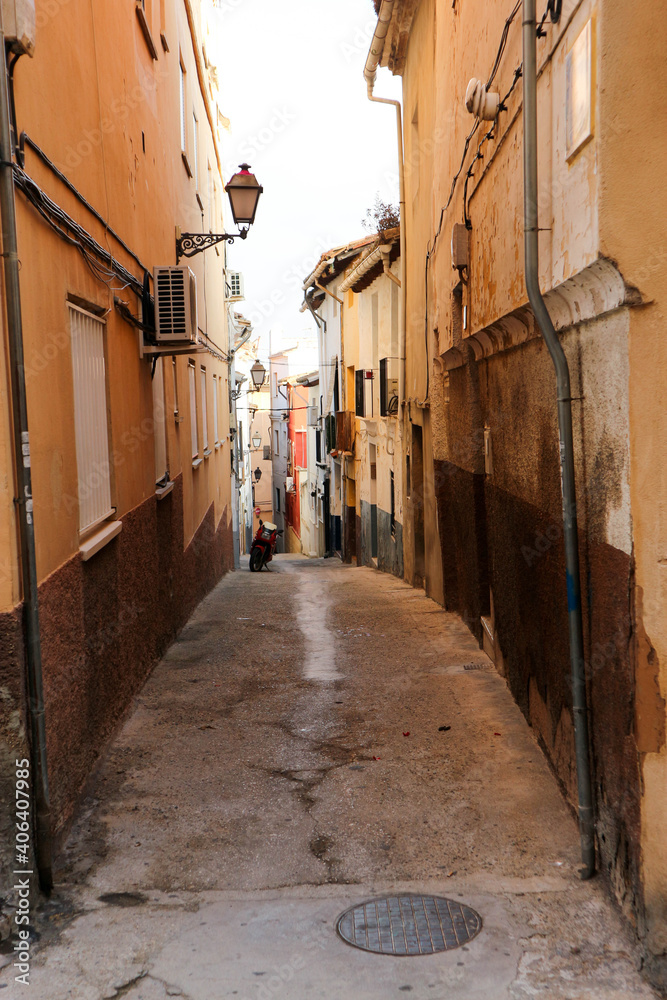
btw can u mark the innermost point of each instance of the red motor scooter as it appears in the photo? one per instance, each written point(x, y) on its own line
point(263, 546)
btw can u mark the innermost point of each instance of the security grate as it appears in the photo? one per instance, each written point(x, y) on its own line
point(409, 924)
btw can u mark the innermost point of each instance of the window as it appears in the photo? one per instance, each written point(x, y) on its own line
point(300, 452)
point(91, 428)
point(359, 393)
point(159, 426)
point(182, 86)
point(276, 448)
point(236, 290)
point(193, 409)
point(392, 521)
point(204, 422)
point(216, 437)
point(221, 389)
point(388, 386)
point(175, 386)
point(277, 500)
point(209, 196)
point(336, 392)
point(195, 149)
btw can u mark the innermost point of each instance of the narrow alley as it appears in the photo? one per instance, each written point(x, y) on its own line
point(319, 735)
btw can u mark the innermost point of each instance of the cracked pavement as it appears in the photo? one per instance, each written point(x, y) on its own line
point(284, 762)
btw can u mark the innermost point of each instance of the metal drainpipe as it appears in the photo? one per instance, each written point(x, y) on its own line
point(33, 651)
point(571, 533)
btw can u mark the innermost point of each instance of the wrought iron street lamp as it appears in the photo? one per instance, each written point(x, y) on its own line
point(258, 474)
point(256, 440)
point(258, 374)
point(243, 191)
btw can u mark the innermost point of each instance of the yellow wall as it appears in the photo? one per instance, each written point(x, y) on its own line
point(93, 133)
point(606, 201)
point(632, 213)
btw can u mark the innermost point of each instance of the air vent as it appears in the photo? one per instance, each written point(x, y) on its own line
point(175, 304)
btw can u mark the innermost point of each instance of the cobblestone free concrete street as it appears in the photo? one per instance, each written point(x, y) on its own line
point(285, 761)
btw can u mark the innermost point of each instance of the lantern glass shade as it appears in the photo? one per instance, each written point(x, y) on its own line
point(243, 191)
point(257, 373)
point(256, 440)
point(258, 474)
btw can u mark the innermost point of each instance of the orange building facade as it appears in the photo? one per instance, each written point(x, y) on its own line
point(118, 132)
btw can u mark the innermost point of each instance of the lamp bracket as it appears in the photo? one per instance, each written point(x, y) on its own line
point(189, 244)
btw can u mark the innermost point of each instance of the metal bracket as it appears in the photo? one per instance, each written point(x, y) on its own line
point(189, 244)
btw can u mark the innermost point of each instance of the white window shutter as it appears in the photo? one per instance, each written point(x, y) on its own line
point(90, 417)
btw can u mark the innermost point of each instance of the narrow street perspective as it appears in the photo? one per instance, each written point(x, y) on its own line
point(333, 544)
point(318, 736)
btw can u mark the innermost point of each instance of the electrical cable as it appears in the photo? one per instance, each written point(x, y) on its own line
point(27, 141)
point(486, 137)
point(100, 261)
point(503, 43)
point(553, 8)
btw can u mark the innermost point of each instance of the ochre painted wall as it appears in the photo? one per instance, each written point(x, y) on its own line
point(497, 523)
point(108, 115)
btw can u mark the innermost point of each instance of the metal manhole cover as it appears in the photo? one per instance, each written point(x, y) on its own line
point(409, 925)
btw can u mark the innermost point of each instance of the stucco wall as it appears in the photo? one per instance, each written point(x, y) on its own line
point(499, 523)
point(117, 139)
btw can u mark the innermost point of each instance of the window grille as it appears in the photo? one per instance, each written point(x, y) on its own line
point(195, 149)
point(182, 96)
point(193, 409)
point(204, 421)
point(159, 426)
point(216, 436)
point(90, 417)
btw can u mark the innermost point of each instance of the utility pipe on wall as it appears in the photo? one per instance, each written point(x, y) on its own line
point(570, 526)
point(370, 72)
point(33, 650)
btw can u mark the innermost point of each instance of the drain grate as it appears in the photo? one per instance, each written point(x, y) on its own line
point(409, 924)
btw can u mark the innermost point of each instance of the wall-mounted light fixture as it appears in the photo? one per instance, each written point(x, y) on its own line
point(258, 374)
point(243, 191)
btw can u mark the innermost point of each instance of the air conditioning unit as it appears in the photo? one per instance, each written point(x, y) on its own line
point(312, 415)
point(175, 305)
point(234, 286)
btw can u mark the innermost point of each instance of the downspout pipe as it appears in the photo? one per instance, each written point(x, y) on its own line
point(370, 73)
point(564, 397)
point(23, 502)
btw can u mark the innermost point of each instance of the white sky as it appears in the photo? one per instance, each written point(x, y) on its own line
point(291, 82)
